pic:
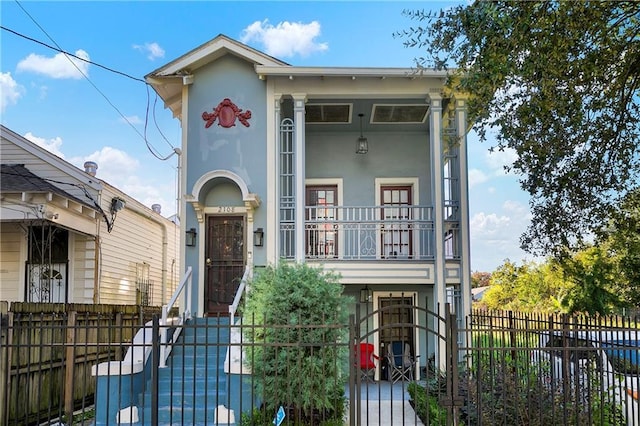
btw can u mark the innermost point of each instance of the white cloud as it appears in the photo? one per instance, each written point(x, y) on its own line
point(10, 91)
point(153, 50)
point(476, 177)
point(132, 119)
point(285, 39)
point(490, 226)
point(119, 169)
point(51, 145)
point(516, 208)
point(497, 160)
point(114, 166)
point(495, 236)
point(60, 66)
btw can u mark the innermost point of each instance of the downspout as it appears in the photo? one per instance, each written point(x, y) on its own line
point(96, 270)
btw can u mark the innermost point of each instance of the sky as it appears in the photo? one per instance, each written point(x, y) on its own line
point(103, 112)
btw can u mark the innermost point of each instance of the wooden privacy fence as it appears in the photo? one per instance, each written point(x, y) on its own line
point(47, 351)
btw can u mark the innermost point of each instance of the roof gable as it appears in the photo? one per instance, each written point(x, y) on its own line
point(50, 158)
point(209, 52)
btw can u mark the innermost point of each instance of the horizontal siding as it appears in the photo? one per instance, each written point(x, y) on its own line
point(136, 238)
point(173, 252)
point(83, 264)
point(11, 238)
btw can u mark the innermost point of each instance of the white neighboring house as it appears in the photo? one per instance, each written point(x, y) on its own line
point(477, 293)
point(68, 237)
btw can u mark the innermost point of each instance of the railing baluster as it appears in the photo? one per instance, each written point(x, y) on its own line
point(355, 232)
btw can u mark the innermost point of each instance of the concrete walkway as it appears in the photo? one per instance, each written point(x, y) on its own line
point(386, 404)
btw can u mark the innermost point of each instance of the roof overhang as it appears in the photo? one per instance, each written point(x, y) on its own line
point(292, 72)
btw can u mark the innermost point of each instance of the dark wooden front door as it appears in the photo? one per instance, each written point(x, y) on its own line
point(224, 260)
point(396, 321)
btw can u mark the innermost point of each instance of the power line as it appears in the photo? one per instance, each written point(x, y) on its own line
point(71, 54)
point(68, 55)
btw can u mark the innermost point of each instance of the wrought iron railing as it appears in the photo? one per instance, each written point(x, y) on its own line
point(364, 233)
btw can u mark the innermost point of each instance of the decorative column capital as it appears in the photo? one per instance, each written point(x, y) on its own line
point(299, 100)
point(435, 99)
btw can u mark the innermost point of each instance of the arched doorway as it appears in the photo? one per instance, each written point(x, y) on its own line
point(225, 261)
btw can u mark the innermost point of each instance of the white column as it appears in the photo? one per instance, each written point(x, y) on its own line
point(465, 260)
point(437, 189)
point(187, 81)
point(272, 241)
point(299, 132)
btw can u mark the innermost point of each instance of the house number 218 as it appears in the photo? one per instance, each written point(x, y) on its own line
point(226, 209)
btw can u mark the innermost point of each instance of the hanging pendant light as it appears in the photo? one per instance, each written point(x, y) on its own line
point(362, 144)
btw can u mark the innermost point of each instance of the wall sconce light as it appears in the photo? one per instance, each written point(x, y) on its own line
point(190, 235)
point(362, 145)
point(117, 204)
point(258, 237)
point(366, 295)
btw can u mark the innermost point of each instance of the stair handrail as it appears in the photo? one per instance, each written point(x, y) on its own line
point(165, 347)
point(233, 308)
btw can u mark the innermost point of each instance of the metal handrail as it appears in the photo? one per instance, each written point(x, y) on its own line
point(233, 308)
point(165, 346)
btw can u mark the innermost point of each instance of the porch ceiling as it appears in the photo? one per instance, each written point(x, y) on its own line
point(366, 107)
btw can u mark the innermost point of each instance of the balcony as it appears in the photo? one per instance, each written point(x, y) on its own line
point(381, 233)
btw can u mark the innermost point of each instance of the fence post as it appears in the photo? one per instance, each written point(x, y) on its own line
point(353, 398)
point(118, 337)
point(155, 353)
point(70, 361)
point(452, 400)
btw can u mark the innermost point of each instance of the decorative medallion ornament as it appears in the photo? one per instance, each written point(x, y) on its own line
point(226, 113)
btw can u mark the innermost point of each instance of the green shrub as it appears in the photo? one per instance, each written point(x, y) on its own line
point(425, 402)
point(300, 329)
point(508, 387)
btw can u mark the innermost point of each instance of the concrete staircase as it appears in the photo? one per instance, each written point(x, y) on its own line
point(193, 389)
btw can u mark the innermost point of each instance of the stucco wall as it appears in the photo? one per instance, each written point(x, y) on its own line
point(390, 155)
point(238, 149)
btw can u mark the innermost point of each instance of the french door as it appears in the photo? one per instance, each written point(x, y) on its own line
point(397, 232)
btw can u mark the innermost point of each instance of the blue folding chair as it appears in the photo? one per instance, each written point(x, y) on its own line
point(401, 363)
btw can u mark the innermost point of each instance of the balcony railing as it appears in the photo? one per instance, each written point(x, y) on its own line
point(364, 233)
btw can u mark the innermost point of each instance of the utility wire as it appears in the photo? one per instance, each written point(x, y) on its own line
point(151, 149)
point(71, 54)
point(156, 154)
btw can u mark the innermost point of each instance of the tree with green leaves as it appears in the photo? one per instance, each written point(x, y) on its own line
point(558, 82)
point(530, 287)
point(621, 239)
point(592, 275)
point(480, 279)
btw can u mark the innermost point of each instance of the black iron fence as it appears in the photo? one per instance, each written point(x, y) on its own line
point(47, 351)
point(527, 369)
point(503, 368)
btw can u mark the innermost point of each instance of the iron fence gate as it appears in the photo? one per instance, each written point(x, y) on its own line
point(404, 358)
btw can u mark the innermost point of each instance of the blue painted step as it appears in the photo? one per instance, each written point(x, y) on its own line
point(194, 382)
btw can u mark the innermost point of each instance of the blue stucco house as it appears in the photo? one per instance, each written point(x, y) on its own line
point(359, 170)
